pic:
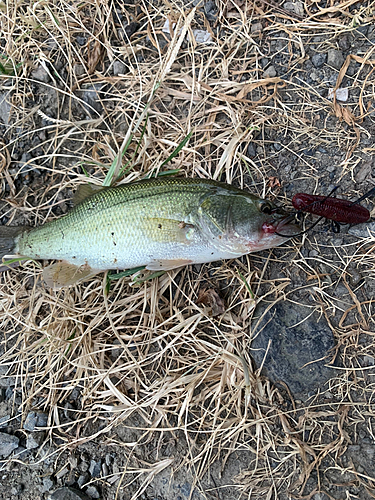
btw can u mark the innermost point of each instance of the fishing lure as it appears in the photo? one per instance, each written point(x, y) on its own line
point(337, 210)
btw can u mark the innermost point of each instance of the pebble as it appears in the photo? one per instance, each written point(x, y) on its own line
point(362, 230)
point(369, 360)
point(47, 484)
point(119, 68)
point(251, 150)
point(30, 421)
point(296, 7)
point(342, 94)
point(81, 40)
point(90, 96)
point(5, 108)
point(95, 468)
point(270, 72)
point(335, 58)
point(62, 472)
point(79, 70)
point(34, 440)
point(210, 10)
point(40, 74)
point(318, 60)
point(68, 493)
point(8, 444)
point(92, 492)
point(82, 480)
point(256, 28)
point(4, 421)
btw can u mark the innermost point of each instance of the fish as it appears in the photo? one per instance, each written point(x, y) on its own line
point(159, 223)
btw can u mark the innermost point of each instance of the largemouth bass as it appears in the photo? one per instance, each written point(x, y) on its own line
point(158, 223)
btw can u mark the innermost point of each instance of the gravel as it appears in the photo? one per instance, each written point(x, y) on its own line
point(68, 493)
point(8, 444)
point(335, 58)
point(318, 60)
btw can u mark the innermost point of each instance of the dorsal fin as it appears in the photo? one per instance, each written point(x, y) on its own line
point(84, 191)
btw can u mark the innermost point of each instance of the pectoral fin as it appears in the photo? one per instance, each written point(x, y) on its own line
point(64, 274)
point(170, 230)
point(167, 265)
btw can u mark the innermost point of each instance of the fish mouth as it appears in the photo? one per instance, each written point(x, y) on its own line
point(281, 227)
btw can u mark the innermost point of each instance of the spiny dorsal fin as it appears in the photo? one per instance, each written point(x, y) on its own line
point(84, 191)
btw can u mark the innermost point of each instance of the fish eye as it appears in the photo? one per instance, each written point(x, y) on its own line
point(265, 207)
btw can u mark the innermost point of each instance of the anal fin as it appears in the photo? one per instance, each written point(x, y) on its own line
point(167, 264)
point(63, 274)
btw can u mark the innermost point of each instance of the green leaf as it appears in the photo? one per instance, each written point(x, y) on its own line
point(177, 150)
point(247, 285)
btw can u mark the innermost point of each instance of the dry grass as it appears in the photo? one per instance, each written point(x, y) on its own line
point(152, 349)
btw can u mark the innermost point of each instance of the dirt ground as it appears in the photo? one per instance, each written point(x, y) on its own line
point(251, 378)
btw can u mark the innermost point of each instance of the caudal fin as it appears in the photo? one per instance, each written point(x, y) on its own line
point(8, 235)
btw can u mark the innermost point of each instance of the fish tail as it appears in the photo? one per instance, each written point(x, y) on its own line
point(8, 239)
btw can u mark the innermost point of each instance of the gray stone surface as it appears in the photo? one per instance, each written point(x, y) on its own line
point(335, 58)
point(92, 492)
point(292, 347)
point(270, 72)
point(68, 494)
point(8, 444)
point(119, 68)
point(47, 484)
point(318, 60)
point(362, 230)
point(5, 107)
point(34, 440)
point(91, 97)
point(95, 468)
point(40, 74)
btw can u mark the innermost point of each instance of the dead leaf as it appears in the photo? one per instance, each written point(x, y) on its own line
point(209, 297)
point(273, 182)
point(94, 57)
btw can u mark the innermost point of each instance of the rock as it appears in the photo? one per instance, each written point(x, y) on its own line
point(91, 96)
point(210, 10)
point(296, 7)
point(79, 70)
point(318, 60)
point(335, 58)
point(251, 150)
point(342, 94)
point(83, 479)
point(4, 421)
point(119, 68)
point(256, 28)
point(40, 74)
point(5, 108)
point(362, 230)
point(68, 494)
point(30, 421)
point(131, 28)
point(34, 440)
point(92, 492)
point(270, 72)
point(363, 30)
point(81, 40)
point(8, 444)
point(95, 468)
point(292, 347)
point(47, 484)
point(201, 36)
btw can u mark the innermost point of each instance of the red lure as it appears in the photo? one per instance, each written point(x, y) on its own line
point(335, 209)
